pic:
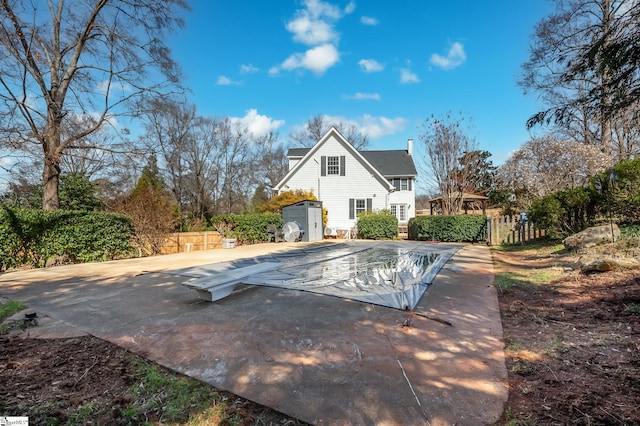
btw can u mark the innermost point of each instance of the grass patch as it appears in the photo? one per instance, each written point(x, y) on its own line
point(6, 310)
point(557, 344)
point(176, 399)
point(546, 275)
point(506, 280)
point(632, 308)
point(541, 245)
point(9, 308)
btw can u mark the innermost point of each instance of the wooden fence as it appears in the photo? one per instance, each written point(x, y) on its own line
point(191, 241)
point(509, 230)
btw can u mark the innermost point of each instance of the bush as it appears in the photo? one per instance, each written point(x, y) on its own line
point(36, 237)
point(377, 225)
point(625, 196)
point(455, 228)
point(245, 228)
point(572, 210)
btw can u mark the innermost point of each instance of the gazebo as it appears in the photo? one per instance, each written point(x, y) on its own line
point(468, 200)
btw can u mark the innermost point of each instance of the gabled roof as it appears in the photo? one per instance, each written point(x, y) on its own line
point(392, 163)
point(307, 153)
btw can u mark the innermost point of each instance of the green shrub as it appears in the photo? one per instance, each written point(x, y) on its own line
point(380, 225)
point(630, 230)
point(572, 210)
point(35, 237)
point(625, 195)
point(248, 228)
point(455, 228)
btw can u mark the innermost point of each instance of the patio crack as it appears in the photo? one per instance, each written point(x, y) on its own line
point(404, 373)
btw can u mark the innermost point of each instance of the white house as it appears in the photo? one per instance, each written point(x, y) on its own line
point(348, 181)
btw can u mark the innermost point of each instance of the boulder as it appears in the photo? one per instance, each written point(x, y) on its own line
point(605, 264)
point(592, 237)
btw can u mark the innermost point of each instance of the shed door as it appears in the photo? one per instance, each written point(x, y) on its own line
point(315, 224)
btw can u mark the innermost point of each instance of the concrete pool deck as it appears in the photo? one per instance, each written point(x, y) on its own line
point(321, 359)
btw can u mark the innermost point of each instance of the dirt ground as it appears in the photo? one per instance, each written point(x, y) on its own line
point(572, 339)
point(87, 381)
point(572, 346)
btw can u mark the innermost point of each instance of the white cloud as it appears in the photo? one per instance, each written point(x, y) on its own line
point(455, 57)
point(258, 125)
point(376, 127)
point(317, 60)
point(248, 69)
point(370, 65)
point(367, 20)
point(314, 25)
point(350, 7)
point(363, 96)
point(319, 8)
point(373, 127)
point(225, 81)
point(110, 86)
point(311, 32)
point(407, 77)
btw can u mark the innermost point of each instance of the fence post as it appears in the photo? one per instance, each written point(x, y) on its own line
point(489, 230)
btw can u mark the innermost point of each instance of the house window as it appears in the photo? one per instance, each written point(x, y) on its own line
point(401, 184)
point(333, 165)
point(399, 211)
point(357, 206)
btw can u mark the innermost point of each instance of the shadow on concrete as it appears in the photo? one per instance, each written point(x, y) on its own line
point(319, 358)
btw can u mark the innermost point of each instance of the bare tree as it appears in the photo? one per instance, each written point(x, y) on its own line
point(318, 125)
point(169, 124)
point(447, 145)
point(571, 68)
point(234, 182)
point(272, 163)
point(64, 59)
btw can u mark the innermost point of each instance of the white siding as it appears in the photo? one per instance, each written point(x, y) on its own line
point(293, 162)
point(335, 191)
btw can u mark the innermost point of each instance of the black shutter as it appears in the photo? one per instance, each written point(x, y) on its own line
point(342, 162)
point(323, 166)
point(369, 204)
point(410, 184)
point(352, 208)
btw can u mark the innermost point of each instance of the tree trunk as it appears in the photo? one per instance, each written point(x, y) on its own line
point(50, 179)
point(51, 173)
point(605, 106)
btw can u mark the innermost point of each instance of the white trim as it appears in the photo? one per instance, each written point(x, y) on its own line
point(309, 156)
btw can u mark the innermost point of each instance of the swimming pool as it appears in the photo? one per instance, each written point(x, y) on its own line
point(393, 274)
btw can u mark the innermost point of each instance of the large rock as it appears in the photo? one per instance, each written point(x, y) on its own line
point(592, 237)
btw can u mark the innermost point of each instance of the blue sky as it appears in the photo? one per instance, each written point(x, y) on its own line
point(385, 66)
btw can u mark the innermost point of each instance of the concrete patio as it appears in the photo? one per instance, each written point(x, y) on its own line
point(321, 359)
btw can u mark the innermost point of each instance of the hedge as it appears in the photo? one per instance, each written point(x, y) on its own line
point(377, 225)
point(571, 210)
point(35, 238)
point(248, 228)
point(455, 228)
